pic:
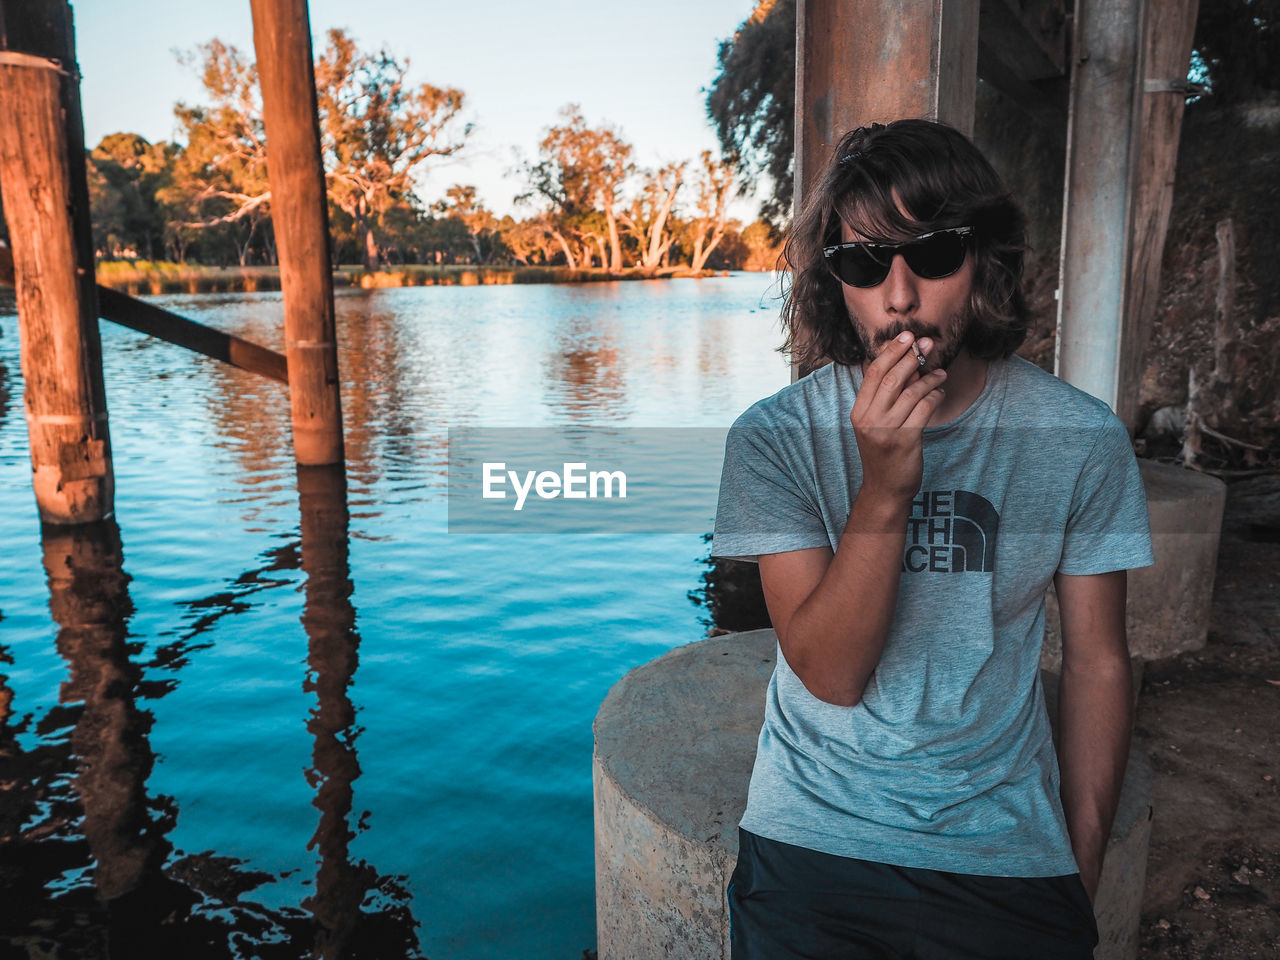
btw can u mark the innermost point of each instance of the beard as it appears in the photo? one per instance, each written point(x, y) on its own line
point(948, 338)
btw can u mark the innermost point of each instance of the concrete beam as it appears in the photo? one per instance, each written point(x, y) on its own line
point(1102, 161)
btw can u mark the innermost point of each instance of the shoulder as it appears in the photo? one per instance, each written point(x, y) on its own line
point(810, 400)
point(1039, 398)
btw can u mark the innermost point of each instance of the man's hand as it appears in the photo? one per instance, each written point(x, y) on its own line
point(889, 417)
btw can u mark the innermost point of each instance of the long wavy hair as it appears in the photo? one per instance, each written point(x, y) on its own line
point(941, 180)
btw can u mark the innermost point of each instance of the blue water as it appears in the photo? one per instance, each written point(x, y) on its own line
point(456, 737)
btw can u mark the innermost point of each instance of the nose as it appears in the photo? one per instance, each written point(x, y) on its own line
point(900, 290)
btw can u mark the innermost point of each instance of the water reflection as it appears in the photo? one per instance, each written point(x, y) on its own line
point(585, 374)
point(89, 600)
point(332, 643)
point(86, 869)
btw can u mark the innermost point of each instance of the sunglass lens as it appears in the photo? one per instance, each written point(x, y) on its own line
point(939, 256)
point(857, 267)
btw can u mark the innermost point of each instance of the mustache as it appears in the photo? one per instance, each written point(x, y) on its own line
point(918, 330)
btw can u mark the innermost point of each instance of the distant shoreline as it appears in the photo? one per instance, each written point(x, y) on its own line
point(145, 278)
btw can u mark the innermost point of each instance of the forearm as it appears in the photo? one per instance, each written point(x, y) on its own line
point(835, 638)
point(1094, 728)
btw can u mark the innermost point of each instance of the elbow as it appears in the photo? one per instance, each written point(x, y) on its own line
point(823, 683)
point(839, 698)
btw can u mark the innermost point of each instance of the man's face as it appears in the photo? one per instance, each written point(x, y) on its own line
point(938, 309)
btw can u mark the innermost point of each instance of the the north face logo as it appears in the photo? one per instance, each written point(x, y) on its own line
point(951, 531)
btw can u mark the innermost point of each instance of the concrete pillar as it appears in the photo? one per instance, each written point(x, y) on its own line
point(1168, 609)
point(1102, 150)
point(675, 743)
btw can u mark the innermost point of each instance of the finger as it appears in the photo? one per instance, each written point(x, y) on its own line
point(913, 394)
point(904, 372)
point(918, 419)
point(889, 356)
point(890, 373)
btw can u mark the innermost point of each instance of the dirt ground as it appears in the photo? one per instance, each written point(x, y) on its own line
point(1210, 721)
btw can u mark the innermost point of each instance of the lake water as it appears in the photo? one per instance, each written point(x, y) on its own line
point(238, 727)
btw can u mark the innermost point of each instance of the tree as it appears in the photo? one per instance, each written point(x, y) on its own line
point(1238, 42)
point(377, 131)
point(707, 228)
point(648, 218)
point(460, 203)
point(752, 103)
point(582, 169)
point(763, 248)
point(527, 239)
point(125, 172)
point(220, 176)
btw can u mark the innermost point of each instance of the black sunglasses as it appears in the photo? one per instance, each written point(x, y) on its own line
point(930, 256)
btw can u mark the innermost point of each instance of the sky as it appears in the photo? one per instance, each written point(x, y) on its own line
point(642, 67)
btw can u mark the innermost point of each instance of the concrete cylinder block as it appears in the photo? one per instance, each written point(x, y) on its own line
point(1168, 609)
point(675, 740)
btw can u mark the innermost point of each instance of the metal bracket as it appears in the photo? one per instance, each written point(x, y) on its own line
point(1175, 85)
point(16, 58)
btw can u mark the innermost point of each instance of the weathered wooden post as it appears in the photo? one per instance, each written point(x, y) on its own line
point(1170, 31)
point(299, 213)
point(46, 204)
point(862, 61)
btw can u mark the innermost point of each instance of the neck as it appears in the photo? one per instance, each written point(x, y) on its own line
point(966, 377)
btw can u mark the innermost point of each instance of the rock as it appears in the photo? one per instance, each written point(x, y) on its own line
point(1167, 423)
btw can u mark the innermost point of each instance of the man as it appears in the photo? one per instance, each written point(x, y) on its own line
point(908, 504)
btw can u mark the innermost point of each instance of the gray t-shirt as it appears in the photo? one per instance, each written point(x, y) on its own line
point(946, 762)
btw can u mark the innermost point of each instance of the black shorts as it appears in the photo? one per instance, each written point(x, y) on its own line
point(789, 902)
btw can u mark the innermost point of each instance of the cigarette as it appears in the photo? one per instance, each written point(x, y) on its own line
point(919, 355)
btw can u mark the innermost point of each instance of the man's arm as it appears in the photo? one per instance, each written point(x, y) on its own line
point(832, 612)
point(1095, 705)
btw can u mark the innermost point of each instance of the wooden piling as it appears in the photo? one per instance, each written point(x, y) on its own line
point(1170, 29)
point(865, 61)
point(46, 205)
point(300, 216)
point(859, 61)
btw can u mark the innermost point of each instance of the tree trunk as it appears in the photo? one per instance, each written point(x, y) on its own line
point(564, 245)
point(699, 257)
point(364, 236)
point(656, 247)
point(615, 249)
point(244, 250)
point(701, 260)
point(371, 259)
